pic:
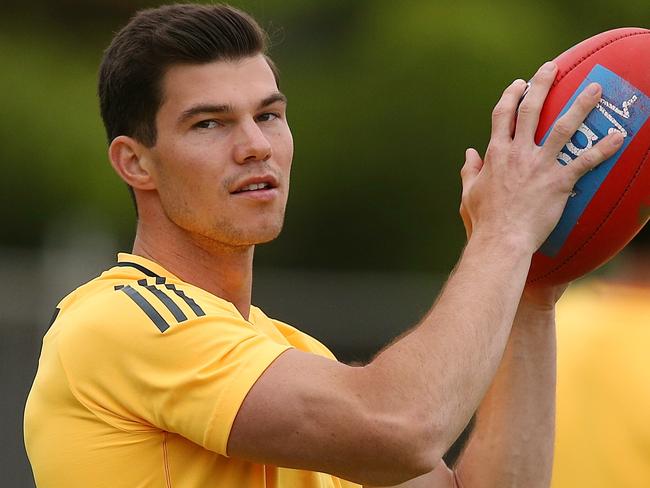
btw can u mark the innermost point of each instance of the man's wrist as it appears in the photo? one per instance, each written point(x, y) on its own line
point(514, 245)
point(542, 298)
point(536, 306)
point(535, 313)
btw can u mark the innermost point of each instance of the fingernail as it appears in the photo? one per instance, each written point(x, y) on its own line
point(593, 89)
point(548, 67)
point(617, 138)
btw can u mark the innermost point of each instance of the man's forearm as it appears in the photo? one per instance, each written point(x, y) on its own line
point(512, 441)
point(442, 369)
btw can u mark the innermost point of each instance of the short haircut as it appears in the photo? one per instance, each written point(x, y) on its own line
point(134, 64)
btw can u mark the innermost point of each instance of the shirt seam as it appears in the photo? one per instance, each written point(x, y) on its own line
point(168, 478)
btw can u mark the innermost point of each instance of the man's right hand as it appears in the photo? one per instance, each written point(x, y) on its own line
point(519, 191)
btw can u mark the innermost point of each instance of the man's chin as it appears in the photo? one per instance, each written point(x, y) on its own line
point(268, 236)
point(253, 237)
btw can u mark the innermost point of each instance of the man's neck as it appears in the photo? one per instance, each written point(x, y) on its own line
point(224, 271)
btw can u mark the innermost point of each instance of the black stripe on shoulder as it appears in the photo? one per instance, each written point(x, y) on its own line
point(191, 303)
point(166, 301)
point(139, 267)
point(146, 307)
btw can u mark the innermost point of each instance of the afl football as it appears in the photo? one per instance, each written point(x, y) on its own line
point(611, 203)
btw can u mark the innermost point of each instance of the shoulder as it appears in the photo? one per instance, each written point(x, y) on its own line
point(134, 333)
point(299, 339)
point(124, 314)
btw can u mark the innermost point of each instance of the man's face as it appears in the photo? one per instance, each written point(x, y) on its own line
point(223, 154)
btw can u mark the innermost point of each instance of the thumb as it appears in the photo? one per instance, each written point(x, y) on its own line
point(472, 166)
point(469, 171)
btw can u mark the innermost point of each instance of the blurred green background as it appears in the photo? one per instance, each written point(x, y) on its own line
point(384, 97)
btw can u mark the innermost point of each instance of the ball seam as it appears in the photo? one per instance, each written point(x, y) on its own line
point(594, 51)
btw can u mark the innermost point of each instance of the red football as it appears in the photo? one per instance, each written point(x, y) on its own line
point(611, 203)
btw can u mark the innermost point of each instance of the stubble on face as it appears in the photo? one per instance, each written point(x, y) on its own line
point(221, 229)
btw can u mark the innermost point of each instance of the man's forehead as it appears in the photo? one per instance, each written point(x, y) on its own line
point(226, 82)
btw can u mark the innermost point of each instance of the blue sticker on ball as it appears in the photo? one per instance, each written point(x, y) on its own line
point(622, 107)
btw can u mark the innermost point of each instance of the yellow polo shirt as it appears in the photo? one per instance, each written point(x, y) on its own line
point(139, 381)
point(603, 396)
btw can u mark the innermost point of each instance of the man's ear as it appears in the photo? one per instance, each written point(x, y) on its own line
point(130, 160)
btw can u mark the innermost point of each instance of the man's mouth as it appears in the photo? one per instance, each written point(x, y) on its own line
point(260, 188)
point(254, 187)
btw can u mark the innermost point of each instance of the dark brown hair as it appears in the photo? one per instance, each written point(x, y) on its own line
point(134, 64)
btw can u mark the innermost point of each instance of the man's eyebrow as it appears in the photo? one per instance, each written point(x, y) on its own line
point(209, 108)
point(271, 99)
point(204, 108)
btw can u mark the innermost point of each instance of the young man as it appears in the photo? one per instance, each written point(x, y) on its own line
point(160, 372)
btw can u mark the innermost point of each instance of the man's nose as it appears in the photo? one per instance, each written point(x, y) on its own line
point(251, 144)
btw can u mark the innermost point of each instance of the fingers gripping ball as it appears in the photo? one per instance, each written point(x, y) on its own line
point(609, 204)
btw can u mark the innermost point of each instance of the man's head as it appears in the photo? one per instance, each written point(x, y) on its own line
point(133, 66)
point(194, 118)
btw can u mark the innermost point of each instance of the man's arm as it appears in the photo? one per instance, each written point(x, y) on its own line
point(440, 477)
point(393, 419)
point(517, 415)
point(512, 441)
point(511, 444)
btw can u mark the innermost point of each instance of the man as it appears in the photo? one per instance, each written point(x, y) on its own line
point(604, 376)
point(161, 373)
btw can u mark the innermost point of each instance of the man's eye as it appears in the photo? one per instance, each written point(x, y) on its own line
point(267, 117)
point(207, 124)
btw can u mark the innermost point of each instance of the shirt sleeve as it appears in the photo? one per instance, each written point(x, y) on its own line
point(190, 380)
point(302, 341)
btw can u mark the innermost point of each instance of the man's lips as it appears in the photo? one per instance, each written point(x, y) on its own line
point(262, 185)
point(255, 187)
